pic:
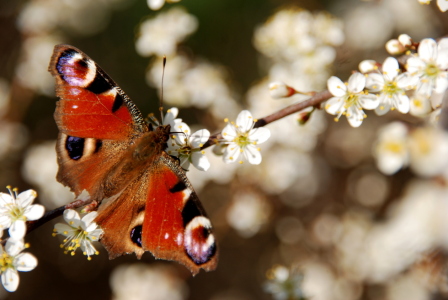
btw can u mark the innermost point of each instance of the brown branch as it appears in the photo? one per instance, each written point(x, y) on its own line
point(289, 110)
point(50, 215)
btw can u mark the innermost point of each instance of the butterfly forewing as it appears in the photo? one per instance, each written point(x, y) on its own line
point(91, 104)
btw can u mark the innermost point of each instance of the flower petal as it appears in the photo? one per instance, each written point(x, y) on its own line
point(95, 235)
point(14, 246)
point(355, 116)
point(356, 82)
point(88, 218)
point(244, 121)
point(427, 50)
point(231, 153)
point(229, 132)
point(424, 88)
point(72, 217)
point(442, 58)
point(5, 222)
point(6, 199)
point(259, 135)
point(25, 262)
point(26, 198)
point(181, 127)
point(199, 138)
point(402, 103)
point(383, 108)
point(335, 105)
point(441, 83)
point(414, 65)
point(406, 81)
point(391, 68)
point(336, 86)
point(252, 154)
point(87, 248)
point(374, 82)
point(17, 229)
point(200, 161)
point(369, 101)
point(63, 229)
point(10, 280)
point(170, 116)
point(34, 212)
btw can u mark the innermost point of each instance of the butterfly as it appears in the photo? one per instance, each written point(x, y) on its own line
point(107, 149)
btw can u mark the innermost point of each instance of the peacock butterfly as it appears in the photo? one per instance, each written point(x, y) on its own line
point(106, 148)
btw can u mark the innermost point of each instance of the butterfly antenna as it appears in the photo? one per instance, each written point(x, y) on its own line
point(161, 93)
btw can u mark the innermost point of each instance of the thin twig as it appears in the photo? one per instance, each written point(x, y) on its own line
point(50, 215)
point(289, 110)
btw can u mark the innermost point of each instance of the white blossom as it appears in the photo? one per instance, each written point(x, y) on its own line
point(160, 35)
point(349, 99)
point(187, 146)
point(392, 86)
point(12, 260)
point(79, 233)
point(242, 138)
point(15, 210)
point(430, 67)
point(158, 4)
point(429, 150)
point(420, 105)
point(391, 149)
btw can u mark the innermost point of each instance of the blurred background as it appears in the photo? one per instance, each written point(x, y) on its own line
point(319, 218)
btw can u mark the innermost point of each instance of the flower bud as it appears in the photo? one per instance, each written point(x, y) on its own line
point(305, 115)
point(367, 66)
point(405, 40)
point(279, 90)
point(394, 47)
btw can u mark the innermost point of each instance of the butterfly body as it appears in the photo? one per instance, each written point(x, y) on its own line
point(105, 148)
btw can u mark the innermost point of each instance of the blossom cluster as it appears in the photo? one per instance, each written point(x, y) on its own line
point(299, 46)
point(238, 139)
point(187, 82)
point(426, 76)
point(15, 211)
point(423, 149)
point(442, 4)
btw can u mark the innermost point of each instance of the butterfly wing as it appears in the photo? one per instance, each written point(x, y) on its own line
point(96, 119)
point(171, 223)
point(90, 103)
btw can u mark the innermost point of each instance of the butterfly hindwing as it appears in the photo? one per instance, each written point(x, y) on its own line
point(171, 223)
point(183, 226)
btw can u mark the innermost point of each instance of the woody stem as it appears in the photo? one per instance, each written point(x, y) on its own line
point(312, 101)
